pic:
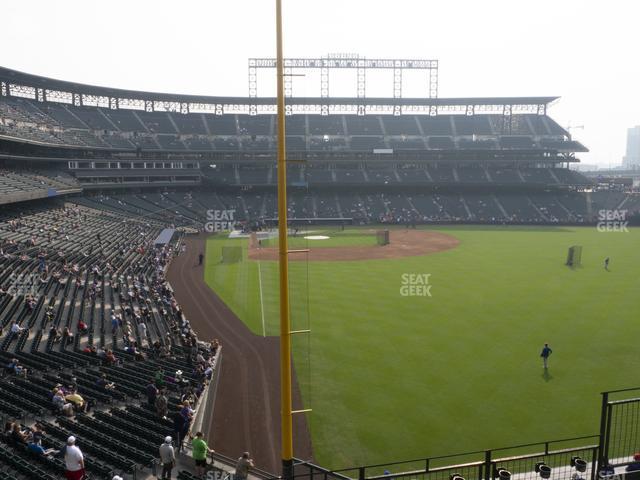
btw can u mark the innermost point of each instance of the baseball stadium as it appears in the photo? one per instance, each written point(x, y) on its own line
point(433, 248)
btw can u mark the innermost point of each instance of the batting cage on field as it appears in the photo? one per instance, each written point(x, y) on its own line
point(382, 237)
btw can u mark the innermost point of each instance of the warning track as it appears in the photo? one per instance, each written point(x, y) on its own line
point(247, 407)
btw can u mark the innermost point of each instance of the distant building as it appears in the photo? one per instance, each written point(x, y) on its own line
point(632, 158)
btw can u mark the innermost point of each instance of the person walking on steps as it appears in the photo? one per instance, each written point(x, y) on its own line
point(167, 458)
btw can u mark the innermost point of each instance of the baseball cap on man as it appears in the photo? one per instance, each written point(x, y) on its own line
point(167, 439)
point(71, 440)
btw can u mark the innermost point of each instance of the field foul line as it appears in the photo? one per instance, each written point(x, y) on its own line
point(264, 333)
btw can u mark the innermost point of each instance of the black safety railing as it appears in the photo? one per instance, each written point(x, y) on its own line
point(578, 458)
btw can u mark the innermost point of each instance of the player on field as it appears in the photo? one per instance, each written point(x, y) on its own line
point(606, 264)
point(546, 351)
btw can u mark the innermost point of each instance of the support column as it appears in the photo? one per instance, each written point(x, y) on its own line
point(283, 252)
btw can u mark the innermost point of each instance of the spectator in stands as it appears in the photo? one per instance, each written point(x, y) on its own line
point(67, 336)
point(243, 465)
point(30, 303)
point(14, 367)
point(37, 433)
point(208, 372)
point(54, 334)
point(126, 335)
point(74, 460)
point(110, 357)
point(168, 336)
point(114, 324)
point(152, 393)
point(156, 348)
point(60, 404)
point(162, 404)
point(199, 452)
point(102, 382)
point(15, 328)
point(188, 396)
point(35, 446)
point(200, 358)
point(213, 346)
point(76, 399)
point(18, 437)
point(193, 350)
point(48, 315)
point(82, 327)
point(186, 411)
point(180, 429)
point(167, 458)
point(73, 385)
point(8, 428)
point(137, 354)
point(142, 332)
point(159, 378)
point(178, 380)
point(90, 349)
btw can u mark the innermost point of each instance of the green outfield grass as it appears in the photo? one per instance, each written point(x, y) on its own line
point(392, 377)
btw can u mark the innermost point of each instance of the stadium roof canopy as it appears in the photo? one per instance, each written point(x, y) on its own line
point(16, 83)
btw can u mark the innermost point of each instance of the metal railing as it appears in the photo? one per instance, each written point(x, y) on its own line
point(567, 458)
point(619, 426)
point(577, 458)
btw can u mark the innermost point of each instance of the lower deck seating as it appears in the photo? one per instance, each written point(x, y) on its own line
point(86, 313)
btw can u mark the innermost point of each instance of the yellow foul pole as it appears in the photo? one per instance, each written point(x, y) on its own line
point(283, 248)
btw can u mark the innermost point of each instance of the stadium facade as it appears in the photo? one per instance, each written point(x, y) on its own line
point(123, 154)
point(485, 160)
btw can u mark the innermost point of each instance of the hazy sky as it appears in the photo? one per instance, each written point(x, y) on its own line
point(586, 51)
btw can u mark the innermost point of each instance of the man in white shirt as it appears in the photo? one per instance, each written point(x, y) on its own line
point(142, 331)
point(15, 328)
point(73, 460)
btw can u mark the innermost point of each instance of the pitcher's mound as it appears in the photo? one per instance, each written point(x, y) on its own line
point(403, 243)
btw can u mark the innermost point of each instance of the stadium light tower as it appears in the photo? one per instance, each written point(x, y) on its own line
point(283, 261)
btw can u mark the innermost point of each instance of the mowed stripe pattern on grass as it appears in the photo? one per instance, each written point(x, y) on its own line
point(398, 377)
